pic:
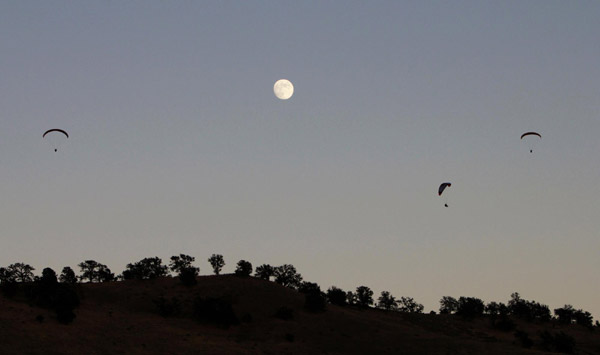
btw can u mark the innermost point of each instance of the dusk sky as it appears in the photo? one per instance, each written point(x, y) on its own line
point(179, 145)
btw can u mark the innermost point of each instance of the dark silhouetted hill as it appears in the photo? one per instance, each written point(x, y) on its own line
point(125, 318)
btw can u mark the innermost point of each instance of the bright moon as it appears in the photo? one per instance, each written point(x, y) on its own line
point(283, 89)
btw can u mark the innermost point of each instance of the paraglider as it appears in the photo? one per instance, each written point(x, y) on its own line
point(56, 137)
point(531, 141)
point(441, 189)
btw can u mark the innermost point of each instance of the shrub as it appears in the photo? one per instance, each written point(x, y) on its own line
point(336, 296)
point(503, 323)
point(284, 313)
point(187, 275)
point(167, 308)
point(524, 339)
point(65, 315)
point(315, 301)
point(9, 289)
point(560, 342)
point(216, 311)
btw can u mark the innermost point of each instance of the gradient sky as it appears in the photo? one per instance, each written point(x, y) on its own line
point(178, 144)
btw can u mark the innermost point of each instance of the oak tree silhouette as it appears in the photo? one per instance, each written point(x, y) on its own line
point(243, 269)
point(265, 272)
point(67, 276)
point(146, 269)
point(217, 262)
point(286, 275)
point(364, 296)
point(181, 261)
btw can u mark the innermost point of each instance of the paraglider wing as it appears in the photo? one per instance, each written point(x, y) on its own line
point(55, 130)
point(443, 187)
point(531, 134)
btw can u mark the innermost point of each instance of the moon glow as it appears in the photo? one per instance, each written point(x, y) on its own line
point(283, 89)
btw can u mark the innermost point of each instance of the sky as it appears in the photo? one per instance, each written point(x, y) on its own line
point(178, 144)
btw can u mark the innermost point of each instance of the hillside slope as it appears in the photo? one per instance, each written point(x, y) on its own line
point(122, 318)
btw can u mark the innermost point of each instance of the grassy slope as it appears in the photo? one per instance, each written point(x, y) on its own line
point(121, 318)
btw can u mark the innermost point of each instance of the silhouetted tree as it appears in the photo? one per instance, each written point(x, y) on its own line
point(21, 272)
point(265, 271)
point(146, 269)
point(448, 305)
point(287, 276)
point(48, 276)
point(8, 285)
point(315, 301)
point(584, 318)
point(181, 262)
point(336, 296)
point(568, 314)
point(89, 270)
point(540, 311)
point(243, 269)
point(565, 314)
point(6, 275)
point(104, 274)
point(48, 293)
point(409, 305)
point(95, 272)
point(307, 287)
point(67, 276)
point(496, 309)
point(43, 291)
point(386, 301)
point(364, 296)
point(528, 310)
point(188, 275)
point(314, 298)
point(217, 262)
point(351, 298)
point(470, 307)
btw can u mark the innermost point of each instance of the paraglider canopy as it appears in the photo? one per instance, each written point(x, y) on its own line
point(530, 142)
point(55, 130)
point(531, 134)
point(443, 187)
point(55, 136)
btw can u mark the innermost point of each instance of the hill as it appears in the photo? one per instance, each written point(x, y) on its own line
point(123, 318)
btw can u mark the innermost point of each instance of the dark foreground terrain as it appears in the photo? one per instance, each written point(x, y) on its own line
point(124, 318)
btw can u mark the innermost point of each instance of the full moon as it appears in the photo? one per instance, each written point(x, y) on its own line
point(283, 89)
